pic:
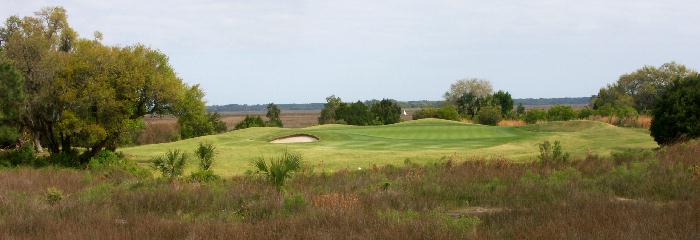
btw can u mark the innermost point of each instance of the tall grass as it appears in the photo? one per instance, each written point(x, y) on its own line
point(632, 195)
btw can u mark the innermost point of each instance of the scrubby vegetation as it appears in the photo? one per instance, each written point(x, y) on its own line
point(382, 112)
point(632, 195)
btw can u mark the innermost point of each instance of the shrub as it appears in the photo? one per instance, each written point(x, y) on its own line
point(561, 113)
point(534, 115)
point(204, 176)
point(489, 115)
point(677, 112)
point(65, 159)
point(205, 152)
point(448, 112)
point(21, 156)
point(278, 170)
point(386, 111)
point(111, 163)
point(250, 121)
point(172, 164)
point(584, 113)
point(294, 203)
point(428, 112)
point(552, 153)
point(354, 114)
point(53, 195)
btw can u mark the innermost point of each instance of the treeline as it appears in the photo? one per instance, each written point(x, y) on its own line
point(402, 104)
point(383, 112)
point(77, 96)
point(553, 101)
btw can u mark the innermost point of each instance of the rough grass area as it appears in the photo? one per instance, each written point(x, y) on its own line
point(421, 141)
point(638, 194)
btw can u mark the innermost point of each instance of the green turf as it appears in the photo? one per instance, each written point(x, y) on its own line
point(420, 141)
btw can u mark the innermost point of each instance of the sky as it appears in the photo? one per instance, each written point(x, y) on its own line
point(287, 51)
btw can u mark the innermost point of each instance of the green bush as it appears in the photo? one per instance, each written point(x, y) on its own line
point(65, 159)
point(535, 115)
point(552, 153)
point(561, 113)
point(204, 176)
point(172, 164)
point(448, 112)
point(21, 156)
point(250, 121)
point(428, 112)
point(584, 113)
point(111, 163)
point(355, 114)
point(278, 170)
point(489, 115)
point(386, 111)
point(294, 203)
point(53, 195)
point(205, 153)
point(677, 112)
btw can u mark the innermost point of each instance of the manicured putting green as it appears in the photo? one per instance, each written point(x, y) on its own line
point(420, 141)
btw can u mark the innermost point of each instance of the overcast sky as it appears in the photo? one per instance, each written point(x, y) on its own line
point(288, 51)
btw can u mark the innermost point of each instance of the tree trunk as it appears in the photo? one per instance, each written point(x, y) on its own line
point(37, 145)
point(85, 156)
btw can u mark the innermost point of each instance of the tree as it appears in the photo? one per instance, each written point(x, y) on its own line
point(505, 101)
point(470, 104)
point(355, 114)
point(640, 88)
point(676, 112)
point(192, 116)
point(273, 116)
point(81, 93)
point(387, 111)
point(329, 110)
point(475, 87)
point(250, 121)
point(11, 94)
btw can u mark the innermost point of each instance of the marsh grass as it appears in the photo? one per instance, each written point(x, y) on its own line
point(650, 196)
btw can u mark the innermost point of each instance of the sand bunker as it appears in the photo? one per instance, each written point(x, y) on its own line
point(298, 138)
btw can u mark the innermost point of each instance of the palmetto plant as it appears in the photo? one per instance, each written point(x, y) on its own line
point(280, 168)
point(205, 152)
point(172, 164)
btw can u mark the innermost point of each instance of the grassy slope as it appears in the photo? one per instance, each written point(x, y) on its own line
point(421, 141)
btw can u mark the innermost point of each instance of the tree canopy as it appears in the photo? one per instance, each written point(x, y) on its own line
point(639, 89)
point(81, 93)
point(478, 88)
point(676, 111)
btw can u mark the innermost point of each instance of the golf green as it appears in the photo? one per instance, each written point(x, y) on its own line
point(420, 141)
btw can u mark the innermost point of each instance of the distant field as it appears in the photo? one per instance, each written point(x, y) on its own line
point(421, 141)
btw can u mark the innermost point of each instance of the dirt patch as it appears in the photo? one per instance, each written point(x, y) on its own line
point(297, 138)
point(475, 211)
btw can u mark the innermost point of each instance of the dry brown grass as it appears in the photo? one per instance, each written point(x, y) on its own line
point(512, 123)
point(643, 121)
point(633, 195)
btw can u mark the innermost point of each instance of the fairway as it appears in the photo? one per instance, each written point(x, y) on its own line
point(420, 141)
